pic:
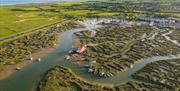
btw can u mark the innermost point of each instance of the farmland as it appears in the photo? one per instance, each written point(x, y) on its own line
point(15, 19)
point(35, 15)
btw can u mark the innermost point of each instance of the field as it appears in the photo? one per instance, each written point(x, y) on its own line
point(18, 18)
point(15, 19)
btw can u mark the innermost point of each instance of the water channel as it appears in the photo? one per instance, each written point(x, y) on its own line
point(27, 78)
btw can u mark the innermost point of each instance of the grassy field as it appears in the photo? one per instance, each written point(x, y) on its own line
point(13, 20)
point(18, 18)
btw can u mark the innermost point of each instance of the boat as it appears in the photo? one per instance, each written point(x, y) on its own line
point(67, 57)
point(18, 68)
point(70, 52)
point(90, 70)
point(39, 59)
point(86, 66)
point(31, 58)
point(131, 66)
point(101, 74)
point(81, 49)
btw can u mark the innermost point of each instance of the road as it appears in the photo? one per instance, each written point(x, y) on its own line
point(27, 31)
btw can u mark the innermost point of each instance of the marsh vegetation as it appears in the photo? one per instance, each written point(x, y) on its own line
point(164, 72)
point(62, 78)
point(17, 50)
point(115, 49)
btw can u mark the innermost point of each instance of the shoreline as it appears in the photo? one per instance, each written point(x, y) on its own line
point(8, 70)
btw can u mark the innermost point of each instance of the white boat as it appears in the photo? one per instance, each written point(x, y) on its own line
point(39, 59)
point(67, 57)
point(131, 66)
point(70, 51)
point(86, 66)
point(102, 74)
point(31, 58)
point(90, 70)
point(18, 68)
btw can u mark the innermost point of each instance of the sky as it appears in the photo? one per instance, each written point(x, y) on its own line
point(11, 2)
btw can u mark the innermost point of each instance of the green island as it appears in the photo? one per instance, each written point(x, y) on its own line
point(94, 45)
point(163, 72)
point(62, 78)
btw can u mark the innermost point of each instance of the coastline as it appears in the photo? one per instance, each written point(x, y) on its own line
point(8, 70)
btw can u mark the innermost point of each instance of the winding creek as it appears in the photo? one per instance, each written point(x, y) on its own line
point(27, 78)
point(168, 38)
